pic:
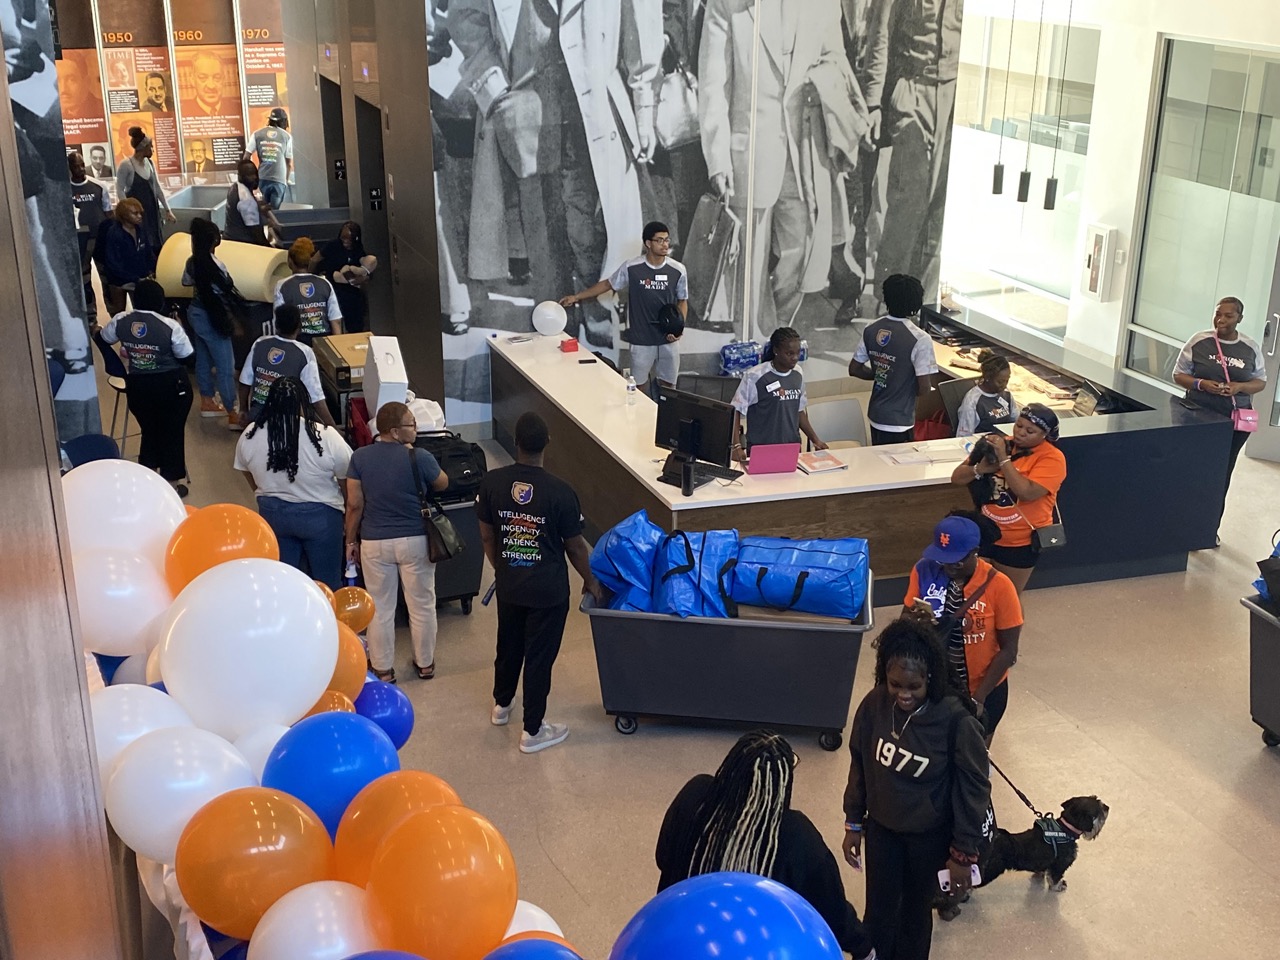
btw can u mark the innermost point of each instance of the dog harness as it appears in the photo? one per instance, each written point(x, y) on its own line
point(1055, 831)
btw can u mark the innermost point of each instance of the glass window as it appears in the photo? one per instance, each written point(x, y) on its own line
point(1024, 98)
point(1213, 213)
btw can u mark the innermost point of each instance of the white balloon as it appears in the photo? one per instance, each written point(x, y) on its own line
point(121, 714)
point(119, 505)
point(119, 595)
point(160, 780)
point(153, 673)
point(133, 670)
point(248, 643)
point(256, 745)
point(326, 920)
point(529, 918)
point(549, 318)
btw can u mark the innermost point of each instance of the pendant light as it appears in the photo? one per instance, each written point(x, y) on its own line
point(997, 174)
point(1024, 179)
point(1051, 185)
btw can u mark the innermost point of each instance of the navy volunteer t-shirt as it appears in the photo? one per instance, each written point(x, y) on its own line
point(771, 402)
point(532, 513)
point(150, 343)
point(1199, 359)
point(649, 289)
point(898, 352)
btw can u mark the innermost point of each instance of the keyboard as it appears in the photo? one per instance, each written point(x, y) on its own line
point(702, 473)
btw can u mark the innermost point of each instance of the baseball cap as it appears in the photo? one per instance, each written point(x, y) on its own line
point(954, 538)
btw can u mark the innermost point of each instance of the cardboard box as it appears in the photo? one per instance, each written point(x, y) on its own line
point(342, 358)
point(385, 378)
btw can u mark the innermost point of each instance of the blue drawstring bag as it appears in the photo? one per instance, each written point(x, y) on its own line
point(692, 573)
point(826, 577)
point(623, 558)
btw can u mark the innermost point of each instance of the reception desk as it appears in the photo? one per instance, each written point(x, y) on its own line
point(1140, 491)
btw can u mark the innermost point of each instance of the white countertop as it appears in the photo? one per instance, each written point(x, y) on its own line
point(595, 398)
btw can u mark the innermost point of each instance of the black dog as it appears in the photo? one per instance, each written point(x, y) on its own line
point(1046, 850)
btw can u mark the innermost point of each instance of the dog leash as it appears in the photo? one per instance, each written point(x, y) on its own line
point(1021, 796)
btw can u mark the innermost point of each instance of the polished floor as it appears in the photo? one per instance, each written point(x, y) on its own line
point(1135, 690)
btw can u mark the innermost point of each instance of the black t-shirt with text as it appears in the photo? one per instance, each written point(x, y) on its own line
point(532, 513)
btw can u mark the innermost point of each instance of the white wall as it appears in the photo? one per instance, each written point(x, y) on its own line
point(1123, 110)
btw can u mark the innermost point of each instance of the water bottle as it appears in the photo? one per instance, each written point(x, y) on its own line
point(631, 389)
point(349, 577)
point(804, 351)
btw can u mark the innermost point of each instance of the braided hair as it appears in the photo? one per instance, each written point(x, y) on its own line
point(737, 825)
point(212, 283)
point(992, 364)
point(287, 405)
point(917, 645)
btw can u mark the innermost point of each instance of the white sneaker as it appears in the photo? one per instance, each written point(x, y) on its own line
point(500, 715)
point(548, 736)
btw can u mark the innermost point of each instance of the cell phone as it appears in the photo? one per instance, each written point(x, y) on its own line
point(944, 877)
point(1189, 404)
point(587, 360)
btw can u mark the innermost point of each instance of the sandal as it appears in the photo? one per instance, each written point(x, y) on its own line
point(427, 672)
point(386, 676)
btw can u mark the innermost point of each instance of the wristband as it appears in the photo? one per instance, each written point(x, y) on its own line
point(1004, 461)
point(1199, 385)
point(854, 827)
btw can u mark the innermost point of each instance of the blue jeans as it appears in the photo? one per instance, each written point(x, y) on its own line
point(275, 192)
point(310, 529)
point(213, 351)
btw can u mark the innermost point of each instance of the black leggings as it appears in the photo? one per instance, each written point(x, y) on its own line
point(902, 883)
point(160, 403)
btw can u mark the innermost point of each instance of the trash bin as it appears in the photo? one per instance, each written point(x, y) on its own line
point(1264, 667)
point(783, 670)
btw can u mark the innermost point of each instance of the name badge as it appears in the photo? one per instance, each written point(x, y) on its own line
point(773, 387)
point(660, 276)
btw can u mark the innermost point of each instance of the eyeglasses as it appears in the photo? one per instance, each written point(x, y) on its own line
point(661, 241)
point(411, 423)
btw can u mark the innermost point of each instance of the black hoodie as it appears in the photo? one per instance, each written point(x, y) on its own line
point(909, 784)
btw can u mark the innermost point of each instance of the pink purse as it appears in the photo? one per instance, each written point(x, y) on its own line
point(1242, 419)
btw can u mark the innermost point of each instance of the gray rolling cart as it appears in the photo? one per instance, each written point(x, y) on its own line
point(1264, 667)
point(789, 673)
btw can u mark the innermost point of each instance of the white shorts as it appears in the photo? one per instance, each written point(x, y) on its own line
point(664, 360)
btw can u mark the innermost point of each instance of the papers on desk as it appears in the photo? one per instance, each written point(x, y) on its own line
point(820, 461)
point(944, 452)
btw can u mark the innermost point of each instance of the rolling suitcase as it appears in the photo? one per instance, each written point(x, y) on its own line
point(710, 255)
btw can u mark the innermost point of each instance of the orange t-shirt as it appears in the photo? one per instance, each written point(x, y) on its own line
point(1044, 465)
point(997, 609)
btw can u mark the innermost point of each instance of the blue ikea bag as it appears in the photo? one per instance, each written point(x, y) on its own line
point(826, 577)
point(623, 558)
point(692, 573)
point(1268, 566)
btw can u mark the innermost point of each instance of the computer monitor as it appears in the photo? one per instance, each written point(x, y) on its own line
point(696, 428)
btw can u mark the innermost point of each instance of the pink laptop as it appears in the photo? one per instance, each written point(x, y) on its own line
point(773, 458)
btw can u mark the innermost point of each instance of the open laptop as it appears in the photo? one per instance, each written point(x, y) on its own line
point(773, 458)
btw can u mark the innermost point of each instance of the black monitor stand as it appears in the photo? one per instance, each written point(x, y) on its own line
point(681, 461)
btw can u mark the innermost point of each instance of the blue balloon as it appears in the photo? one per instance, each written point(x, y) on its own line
point(533, 950)
point(729, 916)
point(385, 955)
point(388, 706)
point(327, 759)
point(239, 952)
point(159, 685)
point(108, 665)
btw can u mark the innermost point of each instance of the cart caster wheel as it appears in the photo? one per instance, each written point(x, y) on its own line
point(830, 740)
point(466, 606)
point(625, 725)
point(1270, 738)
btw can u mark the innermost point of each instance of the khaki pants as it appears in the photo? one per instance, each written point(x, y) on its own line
point(406, 558)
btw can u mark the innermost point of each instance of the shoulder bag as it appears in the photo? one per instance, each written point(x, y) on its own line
point(1244, 419)
point(946, 623)
point(443, 542)
point(1052, 534)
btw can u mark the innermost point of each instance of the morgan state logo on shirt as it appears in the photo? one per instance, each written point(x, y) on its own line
point(138, 328)
point(522, 493)
point(883, 337)
point(308, 290)
point(274, 356)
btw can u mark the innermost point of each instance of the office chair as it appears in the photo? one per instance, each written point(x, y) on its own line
point(89, 447)
point(839, 420)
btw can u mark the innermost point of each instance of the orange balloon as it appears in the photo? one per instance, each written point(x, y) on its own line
point(541, 935)
point(354, 607)
point(215, 535)
point(376, 811)
point(246, 849)
point(191, 511)
point(444, 883)
point(349, 674)
point(330, 701)
point(324, 588)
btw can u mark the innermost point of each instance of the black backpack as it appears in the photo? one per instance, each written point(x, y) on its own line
point(463, 463)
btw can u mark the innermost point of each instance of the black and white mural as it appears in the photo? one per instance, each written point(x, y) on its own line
point(37, 115)
point(562, 126)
